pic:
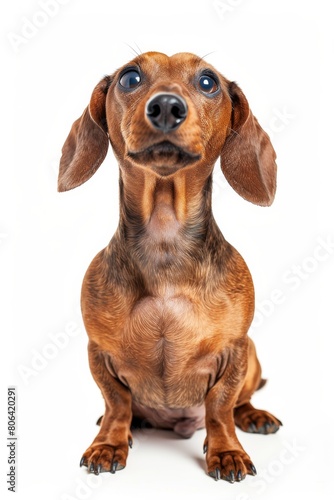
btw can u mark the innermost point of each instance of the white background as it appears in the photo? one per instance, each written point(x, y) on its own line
point(279, 52)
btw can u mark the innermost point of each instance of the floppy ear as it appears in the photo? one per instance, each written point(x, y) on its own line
point(87, 143)
point(248, 158)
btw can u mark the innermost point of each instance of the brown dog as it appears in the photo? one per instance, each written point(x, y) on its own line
point(168, 303)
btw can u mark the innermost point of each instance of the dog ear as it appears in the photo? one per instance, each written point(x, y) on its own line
point(248, 157)
point(87, 143)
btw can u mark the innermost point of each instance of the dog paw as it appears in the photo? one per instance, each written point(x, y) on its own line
point(256, 421)
point(105, 458)
point(231, 466)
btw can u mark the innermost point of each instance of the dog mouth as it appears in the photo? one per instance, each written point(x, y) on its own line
point(164, 157)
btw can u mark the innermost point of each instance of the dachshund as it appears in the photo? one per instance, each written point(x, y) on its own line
point(168, 303)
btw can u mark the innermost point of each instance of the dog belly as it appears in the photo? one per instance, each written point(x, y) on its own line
point(182, 421)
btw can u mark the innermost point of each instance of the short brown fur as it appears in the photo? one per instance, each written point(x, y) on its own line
point(168, 303)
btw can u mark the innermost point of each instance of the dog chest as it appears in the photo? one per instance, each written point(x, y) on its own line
point(167, 359)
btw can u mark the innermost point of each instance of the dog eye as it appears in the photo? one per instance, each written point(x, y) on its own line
point(130, 80)
point(208, 84)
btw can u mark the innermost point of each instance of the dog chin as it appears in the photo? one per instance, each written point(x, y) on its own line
point(164, 158)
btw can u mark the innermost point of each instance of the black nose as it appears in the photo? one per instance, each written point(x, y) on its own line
point(166, 111)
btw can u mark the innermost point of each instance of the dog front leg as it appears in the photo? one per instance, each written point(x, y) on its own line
point(225, 457)
point(109, 450)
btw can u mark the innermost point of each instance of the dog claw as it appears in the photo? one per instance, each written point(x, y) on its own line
point(252, 428)
point(130, 443)
point(272, 426)
point(98, 469)
point(82, 461)
point(231, 477)
point(215, 474)
point(253, 469)
point(205, 448)
point(239, 476)
point(114, 467)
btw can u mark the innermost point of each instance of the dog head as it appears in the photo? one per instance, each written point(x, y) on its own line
point(170, 113)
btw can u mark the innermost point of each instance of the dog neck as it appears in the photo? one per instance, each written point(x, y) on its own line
point(163, 220)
